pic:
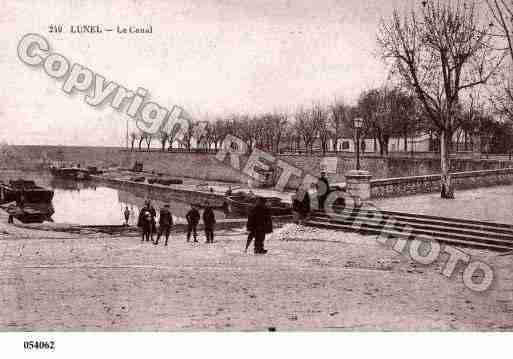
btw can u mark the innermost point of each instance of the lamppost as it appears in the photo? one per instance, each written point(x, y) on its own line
point(358, 123)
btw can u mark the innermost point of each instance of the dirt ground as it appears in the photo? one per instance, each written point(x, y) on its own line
point(310, 280)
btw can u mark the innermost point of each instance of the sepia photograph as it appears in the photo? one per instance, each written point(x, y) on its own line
point(205, 167)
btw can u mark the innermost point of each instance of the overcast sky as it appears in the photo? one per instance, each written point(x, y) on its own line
point(210, 57)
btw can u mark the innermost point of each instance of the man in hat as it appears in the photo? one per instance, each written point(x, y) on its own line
point(260, 223)
point(153, 212)
point(165, 224)
point(209, 221)
point(145, 221)
point(192, 218)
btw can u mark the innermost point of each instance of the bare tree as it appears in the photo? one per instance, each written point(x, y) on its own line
point(273, 126)
point(142, 136)
point(340, 122)
point(219, 132)
point(148, 137)
point(306, 128)
point(163, 137)
point(133, 137)
point(246, 130)
point(375, 108)
point(439, 52)
point(319, 117)
point(502, 14)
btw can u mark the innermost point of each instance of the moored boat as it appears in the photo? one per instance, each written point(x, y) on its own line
point(241, 203)
point(23, 191)
point(30, 212)
point(165, 181)
point(75, 173)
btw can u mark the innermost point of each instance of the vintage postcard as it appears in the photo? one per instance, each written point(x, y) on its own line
point(264, 166)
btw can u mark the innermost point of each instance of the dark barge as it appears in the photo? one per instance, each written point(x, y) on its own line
point(26, 201)
point(241, 204)
point(74, 173)
point(23, 191)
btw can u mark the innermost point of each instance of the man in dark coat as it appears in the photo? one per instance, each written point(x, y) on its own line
point(192, 218)
point(260, 223)
point(145, 222)
point(209, 220)
point(165, 224)
point(153, 212)
point(323, 187)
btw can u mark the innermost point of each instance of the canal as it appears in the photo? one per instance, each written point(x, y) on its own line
point(90, 203)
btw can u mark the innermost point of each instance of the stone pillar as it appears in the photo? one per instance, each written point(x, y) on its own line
point(358, 186)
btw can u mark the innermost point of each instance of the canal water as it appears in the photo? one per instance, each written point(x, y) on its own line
point(90, 203)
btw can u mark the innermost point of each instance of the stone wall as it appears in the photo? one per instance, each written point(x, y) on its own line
point(405, 186)
point(166, 193)
point(205, 166)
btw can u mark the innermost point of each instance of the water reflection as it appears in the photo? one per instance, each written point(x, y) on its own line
point(91, 203)
point(64, 184)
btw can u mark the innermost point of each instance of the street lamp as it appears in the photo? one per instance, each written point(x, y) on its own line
point(358, 123)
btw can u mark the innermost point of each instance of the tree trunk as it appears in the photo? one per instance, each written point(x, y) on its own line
point(381, 146)
point(386, 139)
point(446, 185)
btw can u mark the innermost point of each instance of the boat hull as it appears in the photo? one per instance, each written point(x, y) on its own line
point(242, 206)
point(31, 213)
point(14, 192)
point(79, 174)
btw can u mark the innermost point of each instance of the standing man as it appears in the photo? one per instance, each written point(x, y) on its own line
point(209, 220)
point(260, 223)
point(323, 187)
point(153, 212)
point(165, 224)
point(126, 213)
point(145, 222)
point(192, 218)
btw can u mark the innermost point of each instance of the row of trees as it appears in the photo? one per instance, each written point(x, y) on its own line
point(444, 52)
point(445, 57)
point(387, 112)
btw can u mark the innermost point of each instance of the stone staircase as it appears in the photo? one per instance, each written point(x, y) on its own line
point(461, 232)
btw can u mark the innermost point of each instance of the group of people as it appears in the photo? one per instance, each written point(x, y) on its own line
point(148, 223)
point(301, 202)
point(259, 222)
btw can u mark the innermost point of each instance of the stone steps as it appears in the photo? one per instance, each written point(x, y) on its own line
point(468, 233)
